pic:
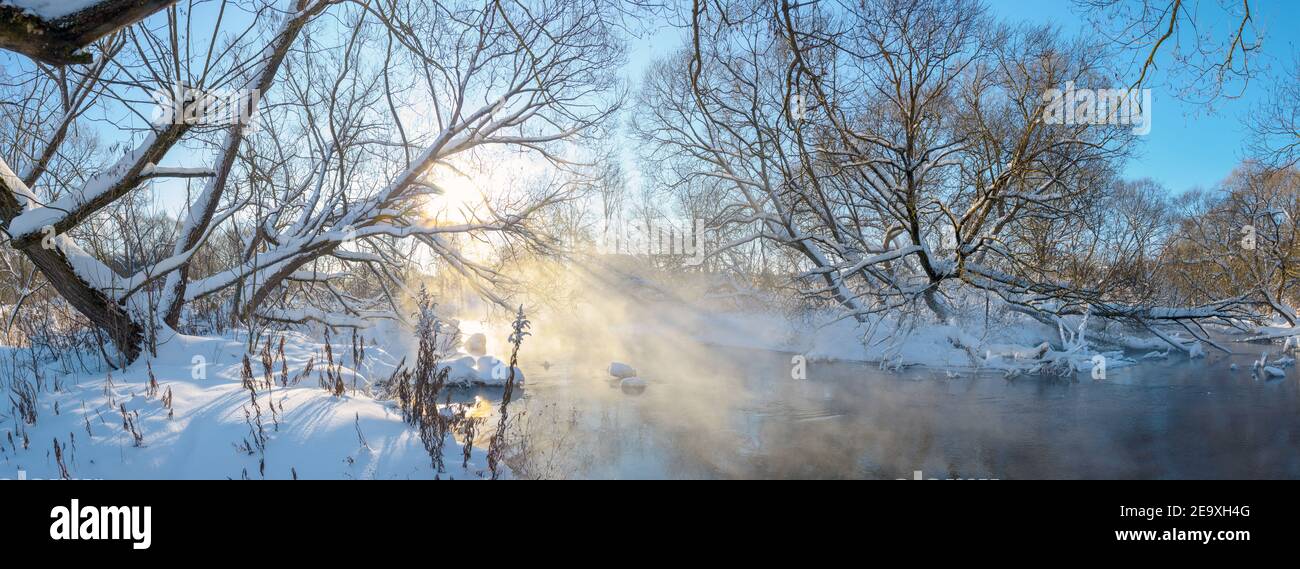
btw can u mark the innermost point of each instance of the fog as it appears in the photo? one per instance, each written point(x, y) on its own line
point(718, 411)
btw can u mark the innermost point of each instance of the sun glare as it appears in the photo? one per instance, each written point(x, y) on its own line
point(470, 189)
point(461, 199)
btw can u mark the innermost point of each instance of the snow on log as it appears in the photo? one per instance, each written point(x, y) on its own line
point(55, 31)
point(304, 315)
point(99, 191)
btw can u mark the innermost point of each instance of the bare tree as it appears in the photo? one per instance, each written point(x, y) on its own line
point(1275, 123)
point(336, 173)
point(1207, 61)
point(1242, 238)
point(902, 149)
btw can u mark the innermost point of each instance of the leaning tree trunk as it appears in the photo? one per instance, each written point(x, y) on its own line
point(102, 311)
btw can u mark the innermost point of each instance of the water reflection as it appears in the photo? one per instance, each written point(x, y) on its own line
point(735, 413)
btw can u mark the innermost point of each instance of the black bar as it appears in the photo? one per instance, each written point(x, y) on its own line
point(1079, 517)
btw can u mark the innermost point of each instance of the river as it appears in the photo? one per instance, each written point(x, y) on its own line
point(722, 412)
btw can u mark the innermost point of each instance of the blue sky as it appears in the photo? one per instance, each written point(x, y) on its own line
point(1189, 145)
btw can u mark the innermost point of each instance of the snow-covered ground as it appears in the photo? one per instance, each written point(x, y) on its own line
point(207, 433)
point(88, 421)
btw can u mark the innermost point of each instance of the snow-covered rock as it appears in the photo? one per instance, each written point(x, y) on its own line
point(494, 372)
point(621, 370)
point(462, 370)
point(632, 385)
point(476, 345)
point(485, 370)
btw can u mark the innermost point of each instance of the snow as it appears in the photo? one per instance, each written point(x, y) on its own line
point(466, 370)
point(50, 9)
point(621, 370)
point(305, 315)
point(177, 172)
point(632, 385)
point(16, 184)
point(1018, 345)
point(34, 220)
point(315, 434)
point(490, 367)
point(476, 345)
point(462, 370)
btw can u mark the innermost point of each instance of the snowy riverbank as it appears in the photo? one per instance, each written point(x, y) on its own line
point(200, 421)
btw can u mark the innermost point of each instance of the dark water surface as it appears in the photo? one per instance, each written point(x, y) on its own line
point(737, 413)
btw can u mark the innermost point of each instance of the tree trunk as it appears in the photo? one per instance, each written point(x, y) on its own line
point(102, 311)
point(59, 41)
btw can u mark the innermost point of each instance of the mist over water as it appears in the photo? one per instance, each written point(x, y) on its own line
point(725, 412)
